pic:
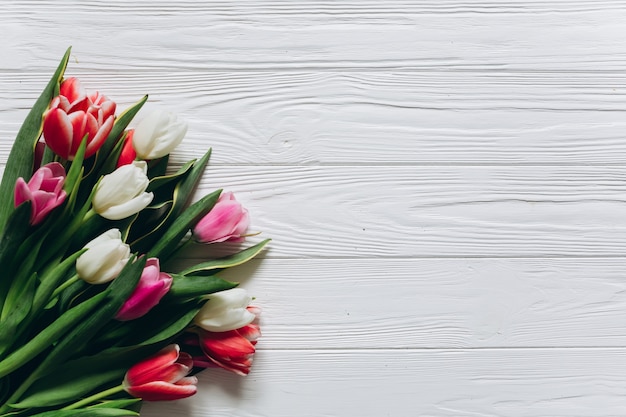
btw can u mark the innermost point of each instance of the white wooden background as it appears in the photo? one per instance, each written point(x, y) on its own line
point(444, 181)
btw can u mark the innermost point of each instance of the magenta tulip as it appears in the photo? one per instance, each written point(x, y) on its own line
point(44, 191)
point(74, 114)
point(152, 286)
point(162, 377)
point(227, 221)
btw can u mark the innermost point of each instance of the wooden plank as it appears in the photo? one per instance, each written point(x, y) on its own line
point(432, 118)
point(438, 303)
point(365, 212)
point(462, 36)
point(408, 383)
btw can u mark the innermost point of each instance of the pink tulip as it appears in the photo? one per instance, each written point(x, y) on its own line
point(227, 221)
point(128, 154)
point(152, 286)
point(162, 377)
point(44, 190)
point(231, 350)
point(72, 115)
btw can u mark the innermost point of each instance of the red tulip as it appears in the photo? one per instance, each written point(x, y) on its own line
point(228, 220)
point(128, 154)
point(231, 350)
point(152, 286)
point(162, 377)
point(72, 115)
point(44, 190)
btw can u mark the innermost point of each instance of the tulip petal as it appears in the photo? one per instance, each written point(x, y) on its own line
point(22, 192)
point(151, 288)
point(225, 310)
point(128, 208)
point(121, 193)
point(227, 221)
point(57, 131)
point(229, 344)
point(138, 373)
point(43, 190)
point(105, 259)
point(128, 154)
point(162, 377)
point(158, 134)
point(100, 137)
point(163, 391)
point(71, 89)
point(252, 332)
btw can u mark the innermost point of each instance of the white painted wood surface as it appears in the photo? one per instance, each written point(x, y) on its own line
point(444, 181)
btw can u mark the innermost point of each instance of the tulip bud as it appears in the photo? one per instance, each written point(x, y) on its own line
point(72, 115)
point(158, 134)
point(152, 286)
point(105, 259)
point(228, 220)
point(232, 350)
point(44, 190)
point(225, 310)
point(162, 377)
point(121, 193)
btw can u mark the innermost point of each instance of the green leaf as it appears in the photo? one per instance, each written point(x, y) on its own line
point(185, 189)
point(51, 279)
point(160, 181)
point(158, 167)
point(160, 324)
point(12, 236)
point(146, 228)
point(81, 333)
point(226, 262)
point(19, 300)
point(197, 286)
point(75, 172)
point(89, 412)
point(166, 190)
point(125, 403)
point(15, 233)
point(115, 295)
point(4, 389)
point(68, 385)
point(166, 245)
point(20, 161)
point(19, 307)
point(49, 335)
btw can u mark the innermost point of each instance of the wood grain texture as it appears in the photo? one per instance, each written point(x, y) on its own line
point(434, 303)
point(407, 383)
point(191, 35)
point(407, 211)
point(374, 118)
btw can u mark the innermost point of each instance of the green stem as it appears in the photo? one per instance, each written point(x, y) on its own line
point(20, 391)
point(95, 397)
point(88, 215)
point(63, 286)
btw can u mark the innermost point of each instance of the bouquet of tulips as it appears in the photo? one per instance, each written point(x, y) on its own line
point(90, 215)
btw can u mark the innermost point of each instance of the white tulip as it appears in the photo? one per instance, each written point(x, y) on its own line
point(106, 256)
point(158, 134)
point(121, 193)
point(225, 310)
